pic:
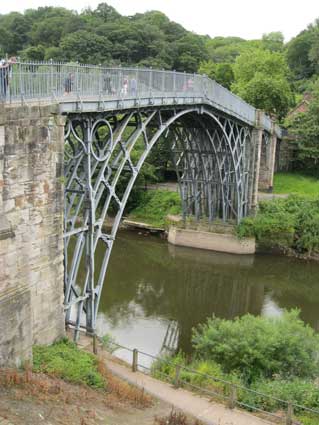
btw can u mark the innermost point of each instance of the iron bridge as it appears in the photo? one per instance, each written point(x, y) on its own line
point(114, 117)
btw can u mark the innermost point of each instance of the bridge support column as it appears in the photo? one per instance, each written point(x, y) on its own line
point(257, 138)
point(267, 161)
point(31, 230)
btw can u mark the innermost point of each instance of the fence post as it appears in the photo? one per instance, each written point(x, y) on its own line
point(135, 360)
point(232, 396)
point(177, 376)
point(95, 344)
point(290, 413)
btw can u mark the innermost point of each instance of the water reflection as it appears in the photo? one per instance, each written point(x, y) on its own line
point(156, 293)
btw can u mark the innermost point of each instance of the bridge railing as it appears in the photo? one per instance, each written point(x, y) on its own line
point(60, 81)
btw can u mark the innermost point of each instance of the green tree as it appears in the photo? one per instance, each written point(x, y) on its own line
point(261, 78)
point(273, 41)
point(191, 50)
point(221, 72)
point(306, 128)
point(15, 28)
point(83, 46)
point(33, 53)
point(298, 59)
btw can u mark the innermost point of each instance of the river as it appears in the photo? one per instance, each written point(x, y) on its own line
point(155, 293)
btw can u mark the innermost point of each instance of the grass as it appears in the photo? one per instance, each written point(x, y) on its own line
point(64, 360)
point(155, 206)
point(296, 183)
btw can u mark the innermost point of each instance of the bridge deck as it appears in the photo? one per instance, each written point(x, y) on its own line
point(87, 88)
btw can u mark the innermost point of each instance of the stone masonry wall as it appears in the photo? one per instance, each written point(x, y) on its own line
point(31, 238)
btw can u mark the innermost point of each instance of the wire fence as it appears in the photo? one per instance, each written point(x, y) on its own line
point(231, 393)
point(26, 81)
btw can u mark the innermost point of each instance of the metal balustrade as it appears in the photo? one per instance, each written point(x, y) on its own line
point(63, 83)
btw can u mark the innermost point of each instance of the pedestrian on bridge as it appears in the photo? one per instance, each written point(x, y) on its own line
point(124, 89)
point(4, 79)
point(107, 85)
point(68, 83)
point(133, 87)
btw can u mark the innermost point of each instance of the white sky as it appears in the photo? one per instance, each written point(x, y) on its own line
point(244, 18)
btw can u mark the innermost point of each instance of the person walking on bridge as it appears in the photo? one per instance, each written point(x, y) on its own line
point(4, 79)
point(68, 83)
point(133, 87)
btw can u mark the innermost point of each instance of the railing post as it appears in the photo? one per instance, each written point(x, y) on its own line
point(150, 81)
point(51, 78)
point(177, 376)
point(21, 84)
point(137, 84)
point(135, 360)
point(95, 344)
point(290, 413)
point(163, 81)
point(232, 396)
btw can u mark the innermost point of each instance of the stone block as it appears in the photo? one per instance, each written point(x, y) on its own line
point(211, 241)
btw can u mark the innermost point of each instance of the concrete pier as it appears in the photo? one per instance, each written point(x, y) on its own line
point(219, 242)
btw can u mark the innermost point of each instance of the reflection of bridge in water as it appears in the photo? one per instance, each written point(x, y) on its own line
point(221, 147)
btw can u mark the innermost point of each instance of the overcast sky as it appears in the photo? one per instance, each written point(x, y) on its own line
point(244, 18)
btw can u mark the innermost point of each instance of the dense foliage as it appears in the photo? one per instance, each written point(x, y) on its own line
point(285, 223)
point(259, 347)
point(305, 126)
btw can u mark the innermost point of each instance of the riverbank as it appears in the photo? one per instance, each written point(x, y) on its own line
point(283, 225)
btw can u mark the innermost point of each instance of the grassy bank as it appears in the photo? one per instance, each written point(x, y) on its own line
point(155, 205)
point(296, 183)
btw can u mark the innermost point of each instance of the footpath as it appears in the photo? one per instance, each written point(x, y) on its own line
point(199, 407)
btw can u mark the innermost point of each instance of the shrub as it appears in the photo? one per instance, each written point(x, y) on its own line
point(65, 360)
point(259, 347)
point(286, 223)
point(297, 391)
point(207, 369)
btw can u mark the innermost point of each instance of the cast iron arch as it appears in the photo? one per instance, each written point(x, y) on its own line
point(210, 155)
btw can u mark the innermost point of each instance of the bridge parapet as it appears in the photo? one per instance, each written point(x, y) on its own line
point(63, 83)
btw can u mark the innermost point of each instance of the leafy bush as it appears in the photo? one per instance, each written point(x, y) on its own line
point(286, 223)
point(260, 347)
point(66, 361)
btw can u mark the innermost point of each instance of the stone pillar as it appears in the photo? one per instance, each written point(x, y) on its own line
point(31, 230)
point(267, 161)
point(257, 137)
